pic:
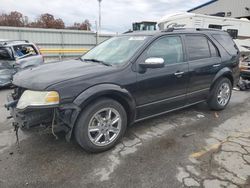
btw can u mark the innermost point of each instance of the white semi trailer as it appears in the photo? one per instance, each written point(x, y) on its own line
point(239, 29)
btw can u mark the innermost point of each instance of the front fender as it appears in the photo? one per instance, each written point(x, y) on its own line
point(116, 92)
point(102, 90)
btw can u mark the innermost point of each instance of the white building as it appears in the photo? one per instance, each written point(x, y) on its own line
point(225, 8)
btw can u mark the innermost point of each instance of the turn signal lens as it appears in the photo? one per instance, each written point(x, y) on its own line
point(52, 97)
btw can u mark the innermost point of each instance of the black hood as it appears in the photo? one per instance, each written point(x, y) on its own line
point(43, 76)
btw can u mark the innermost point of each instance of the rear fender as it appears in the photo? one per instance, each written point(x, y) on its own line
point(225, 72)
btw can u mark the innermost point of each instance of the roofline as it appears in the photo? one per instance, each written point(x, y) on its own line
point(202, 5)
point(7, 43)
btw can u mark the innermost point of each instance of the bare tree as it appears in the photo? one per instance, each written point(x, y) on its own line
point(15, 19)
point(46, 20)
point(81, 26)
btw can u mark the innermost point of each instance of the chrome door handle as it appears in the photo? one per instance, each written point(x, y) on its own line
point(216, 65)
point(178, 73)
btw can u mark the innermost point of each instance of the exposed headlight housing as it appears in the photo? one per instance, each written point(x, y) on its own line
point(38, 98)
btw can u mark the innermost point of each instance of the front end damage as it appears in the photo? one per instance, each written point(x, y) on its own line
point(61, 117)
point(6, 75)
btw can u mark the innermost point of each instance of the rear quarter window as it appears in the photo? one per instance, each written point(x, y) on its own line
point(213, 49)
point(227, 43)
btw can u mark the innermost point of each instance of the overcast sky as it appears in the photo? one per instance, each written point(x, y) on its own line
point(117, 15)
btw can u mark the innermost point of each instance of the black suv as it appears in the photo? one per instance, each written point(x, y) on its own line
point(124, 80)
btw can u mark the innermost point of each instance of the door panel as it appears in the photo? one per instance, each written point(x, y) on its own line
point(204, 63)
point(162, 89)
point(30, 61)
point(202, 73)
point(27, 56)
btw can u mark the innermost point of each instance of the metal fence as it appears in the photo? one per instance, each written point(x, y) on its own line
point(55, 43)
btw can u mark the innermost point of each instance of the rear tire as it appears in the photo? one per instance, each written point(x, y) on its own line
point(101, 125)
point(220, 94)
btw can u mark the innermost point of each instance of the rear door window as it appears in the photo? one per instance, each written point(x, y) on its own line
point(24, 51)
point(197, 47)
point(227, 42)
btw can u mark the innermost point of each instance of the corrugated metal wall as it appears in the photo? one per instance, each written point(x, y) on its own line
point(236, 7)
point(59, 39)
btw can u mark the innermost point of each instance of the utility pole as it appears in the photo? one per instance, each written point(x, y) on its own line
point(97, 34)
point(99, 29)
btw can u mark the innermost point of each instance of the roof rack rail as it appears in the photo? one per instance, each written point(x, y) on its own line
point(207, 29)
point(171, 29)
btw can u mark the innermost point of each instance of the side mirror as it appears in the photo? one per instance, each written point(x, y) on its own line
point(153, 62)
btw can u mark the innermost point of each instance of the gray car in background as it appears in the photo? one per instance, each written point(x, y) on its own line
point(16, 55)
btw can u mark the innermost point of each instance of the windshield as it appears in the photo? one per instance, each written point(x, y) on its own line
point(115, 51)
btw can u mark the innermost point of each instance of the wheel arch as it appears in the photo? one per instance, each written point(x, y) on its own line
point(111, 91)
point(225, 72)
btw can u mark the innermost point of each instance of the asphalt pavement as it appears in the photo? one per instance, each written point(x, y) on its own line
point(194, 147)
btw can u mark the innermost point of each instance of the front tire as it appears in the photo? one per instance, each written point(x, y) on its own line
point(101, 125)
point(220, 94)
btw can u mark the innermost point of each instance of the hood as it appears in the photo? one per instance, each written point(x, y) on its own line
point(43, 76)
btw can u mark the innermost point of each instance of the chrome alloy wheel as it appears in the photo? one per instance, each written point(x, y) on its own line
point(224, 94)
point(104, 126)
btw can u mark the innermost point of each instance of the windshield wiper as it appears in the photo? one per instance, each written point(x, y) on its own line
point(98, 61)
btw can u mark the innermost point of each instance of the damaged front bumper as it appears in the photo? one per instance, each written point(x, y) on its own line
point(29, 117)
point(63, 117)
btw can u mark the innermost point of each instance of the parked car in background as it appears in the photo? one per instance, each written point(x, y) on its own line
point(126, 79)
point(17, 55)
